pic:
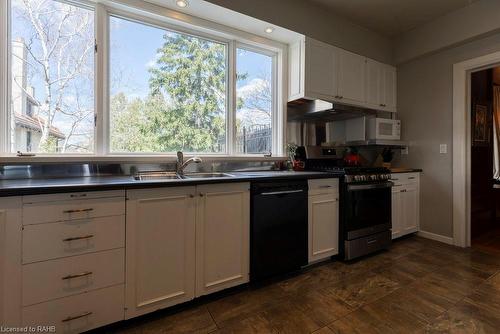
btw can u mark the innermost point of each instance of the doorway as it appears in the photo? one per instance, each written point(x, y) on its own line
point(484, 106)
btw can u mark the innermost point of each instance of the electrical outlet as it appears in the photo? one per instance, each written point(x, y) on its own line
point(404, 150)
point(443, 148)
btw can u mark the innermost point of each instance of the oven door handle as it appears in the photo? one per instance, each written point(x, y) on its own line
point(354, 187)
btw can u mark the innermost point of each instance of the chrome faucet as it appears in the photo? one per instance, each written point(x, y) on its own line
point(181, 164)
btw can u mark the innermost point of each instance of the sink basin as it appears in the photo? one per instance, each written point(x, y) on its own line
point(150, 176)
point(205, 175)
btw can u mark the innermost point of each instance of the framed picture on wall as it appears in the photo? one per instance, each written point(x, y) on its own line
point(481, 124)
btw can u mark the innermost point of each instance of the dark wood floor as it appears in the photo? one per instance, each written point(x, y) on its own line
point(488, 241)
point(418, 286)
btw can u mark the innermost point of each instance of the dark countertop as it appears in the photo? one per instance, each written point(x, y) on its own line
point(57, 185)
point(405, 170)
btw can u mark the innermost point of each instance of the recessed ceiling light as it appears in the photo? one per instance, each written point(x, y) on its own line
point(182, 3)
point(269, 30)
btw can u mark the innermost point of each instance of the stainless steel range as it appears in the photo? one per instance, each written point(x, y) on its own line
point(365, 206)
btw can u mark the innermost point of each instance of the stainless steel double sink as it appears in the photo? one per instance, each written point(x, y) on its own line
point(163, 175)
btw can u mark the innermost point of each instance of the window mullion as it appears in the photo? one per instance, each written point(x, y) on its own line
point(231, 105)
point(4, 77)
point(101, 81)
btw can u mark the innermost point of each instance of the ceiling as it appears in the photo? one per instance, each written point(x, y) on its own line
point(392, 17)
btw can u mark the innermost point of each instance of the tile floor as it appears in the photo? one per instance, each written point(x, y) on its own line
point(418, 286)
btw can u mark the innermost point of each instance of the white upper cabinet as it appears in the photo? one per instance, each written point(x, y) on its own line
point(351, 77)
point(381, 85)
point(321, 71)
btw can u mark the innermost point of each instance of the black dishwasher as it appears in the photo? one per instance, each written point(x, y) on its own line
point(278, 237)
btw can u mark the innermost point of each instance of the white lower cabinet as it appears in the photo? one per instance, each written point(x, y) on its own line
point(323, 211)
point(184, 242)
point(160, 248)
point(222, 237)
point(62, 260)
point(78, 313)
point(405, 204)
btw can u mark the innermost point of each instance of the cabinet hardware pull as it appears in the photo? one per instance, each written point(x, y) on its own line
point(191, 195)
point(411, 178)
point(86, 314)
point(79, 238)
point(201, 195)
point(78, 210)
point(78, 195)
point(87, 273)
point(371, 241)
point(381, 105)
point(394, 179)
point(325, 186)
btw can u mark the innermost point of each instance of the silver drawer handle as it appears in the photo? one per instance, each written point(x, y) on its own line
point(86, 314)
point(77, 195)
point(78, 210)
point(79, 238)
point(325, 186)
point(87, 273)
point(282, 192)
point(411, 178)
point(371, 241)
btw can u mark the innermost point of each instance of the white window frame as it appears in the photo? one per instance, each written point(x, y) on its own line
point(231, 38)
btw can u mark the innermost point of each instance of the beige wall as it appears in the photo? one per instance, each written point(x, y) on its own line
point(468, 23)
point(316, 22)
point(425, 101)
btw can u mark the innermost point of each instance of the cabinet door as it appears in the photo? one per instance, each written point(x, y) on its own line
point(389, 88)
point(10, 261)
point(397, 218)
point(222, 236)
point(351, 78)
point(323, 226)
point(373, 83)
point(160, 248)
point(410, 204)
point(321, 70)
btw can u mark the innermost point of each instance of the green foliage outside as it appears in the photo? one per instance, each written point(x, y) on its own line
point(185, 109)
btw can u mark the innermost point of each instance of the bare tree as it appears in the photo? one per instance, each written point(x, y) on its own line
point(59, 39)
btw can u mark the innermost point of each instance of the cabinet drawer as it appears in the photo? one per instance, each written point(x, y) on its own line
point(48, 280)
point(404, 178)
point(78, 313)
point(46, 212)
point(323, 186)
point(73, 237)
point(73, 196)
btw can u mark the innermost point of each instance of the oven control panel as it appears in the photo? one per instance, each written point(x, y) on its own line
point(367, 178)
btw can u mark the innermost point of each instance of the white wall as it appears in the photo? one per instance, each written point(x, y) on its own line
point(425, 98)
point(314, 21)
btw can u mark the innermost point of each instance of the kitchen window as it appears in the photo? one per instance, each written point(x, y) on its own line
point(254, 100)
point(88, 78)
point(52, 77)
point(170, 94)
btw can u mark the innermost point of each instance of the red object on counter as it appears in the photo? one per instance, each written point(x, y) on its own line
point(298, 165)
point(352, 159)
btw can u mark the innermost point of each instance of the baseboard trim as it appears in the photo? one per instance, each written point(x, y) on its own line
point(436, 237)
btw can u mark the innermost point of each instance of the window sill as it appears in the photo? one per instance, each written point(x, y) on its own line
point(13, 159)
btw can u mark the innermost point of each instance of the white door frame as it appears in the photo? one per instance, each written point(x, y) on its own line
point(462, 143)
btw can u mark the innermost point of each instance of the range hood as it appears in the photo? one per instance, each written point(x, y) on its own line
point(320, 110)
